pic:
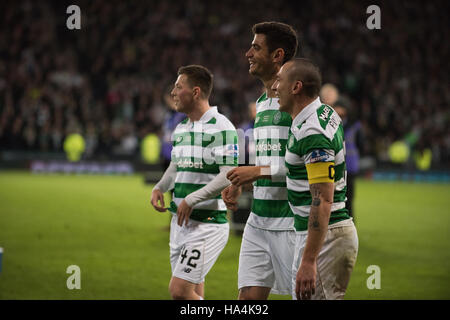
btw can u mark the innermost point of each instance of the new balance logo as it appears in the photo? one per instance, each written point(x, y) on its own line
point(187, 270)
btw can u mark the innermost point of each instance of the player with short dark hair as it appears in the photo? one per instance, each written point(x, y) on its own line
point(265, 259)
point(205, 148)
point(278, 35)
point(198, 76)
point(326, 243)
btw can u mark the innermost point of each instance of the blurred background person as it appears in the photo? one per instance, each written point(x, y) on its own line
point(354, 143)
point(248, 140)
point(171, 120)
point(113, 77)
point(329, 94)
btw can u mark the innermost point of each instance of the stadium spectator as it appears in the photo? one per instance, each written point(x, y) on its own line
point(354, 144)
point(247, 144)
point(125, 53)
point(329, 94)
point(172, 119)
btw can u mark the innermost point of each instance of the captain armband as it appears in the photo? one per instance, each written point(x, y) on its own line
point(320, 172)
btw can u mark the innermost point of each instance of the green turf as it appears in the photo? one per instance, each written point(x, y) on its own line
point(105, 225)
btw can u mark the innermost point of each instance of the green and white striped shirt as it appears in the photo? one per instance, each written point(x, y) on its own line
point(199, 149)
point(316, 135)
point(270, 209)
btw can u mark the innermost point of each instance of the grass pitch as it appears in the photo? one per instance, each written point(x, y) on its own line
point(106, 226)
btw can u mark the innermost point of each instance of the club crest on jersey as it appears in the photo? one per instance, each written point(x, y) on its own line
point(319, 156)
point(257, 120)
point(277, 118)
point(179, 139)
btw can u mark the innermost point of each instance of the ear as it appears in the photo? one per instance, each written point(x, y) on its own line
point(278, 55)
point(196, 91)
point(297, 87)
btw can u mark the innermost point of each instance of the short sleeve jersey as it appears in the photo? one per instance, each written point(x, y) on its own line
point(316, 136)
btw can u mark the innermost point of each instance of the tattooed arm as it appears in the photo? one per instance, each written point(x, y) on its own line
point(319, 216)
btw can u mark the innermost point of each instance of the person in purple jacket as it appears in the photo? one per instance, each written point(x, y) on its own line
point(172, 119)
point(354, 139)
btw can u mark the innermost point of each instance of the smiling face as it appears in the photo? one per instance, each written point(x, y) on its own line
point(182, 94)
point(283, 88)
point(259, 58)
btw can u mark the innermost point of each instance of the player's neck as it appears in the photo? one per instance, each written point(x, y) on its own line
point(198, 110)
point(268, 82)
point(299, 104)
point(268, 87)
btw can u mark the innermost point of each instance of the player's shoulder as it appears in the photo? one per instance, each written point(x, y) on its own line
point(266, 103)
point(221, 122)
point(324, 121)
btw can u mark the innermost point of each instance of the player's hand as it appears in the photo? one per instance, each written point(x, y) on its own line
point(230, 196)
point(305, 281)
point(158, 196)
point(183, 213)
point(242, 175)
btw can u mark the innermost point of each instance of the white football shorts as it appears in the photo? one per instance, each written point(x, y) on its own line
point(265, 259)
point(335, 262)
point(195, 247)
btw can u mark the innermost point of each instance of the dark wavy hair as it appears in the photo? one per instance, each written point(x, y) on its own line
point(278, 35)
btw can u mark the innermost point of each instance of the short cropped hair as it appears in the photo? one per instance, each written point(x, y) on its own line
point(309, 74)
point(198, 76)
point(278, 35)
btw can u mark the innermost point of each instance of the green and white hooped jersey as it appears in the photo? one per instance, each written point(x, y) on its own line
point(199, 149)
point(316, 135)
point(270, 209)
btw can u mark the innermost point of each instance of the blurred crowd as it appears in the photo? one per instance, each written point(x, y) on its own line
point(108, 80)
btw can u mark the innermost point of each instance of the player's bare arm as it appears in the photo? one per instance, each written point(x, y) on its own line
point(248, 174)
point(322, 199)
